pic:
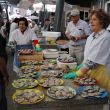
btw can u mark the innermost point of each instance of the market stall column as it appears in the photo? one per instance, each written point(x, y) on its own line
point(58, 14)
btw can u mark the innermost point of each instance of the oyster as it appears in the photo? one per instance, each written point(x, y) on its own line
point(61, 92)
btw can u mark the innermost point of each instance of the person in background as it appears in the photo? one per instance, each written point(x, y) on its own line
point(4, 77)
point(77, 32)
point(46, 26)
point(34, 27)
point(7, 25)
point(14, 24)
point(3, 30)
point(23, 35)
point(96, 61)
point(29, 23)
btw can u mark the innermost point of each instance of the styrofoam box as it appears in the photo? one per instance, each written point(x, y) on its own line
point(51, 36)
point(71, 65)
point(50, 54)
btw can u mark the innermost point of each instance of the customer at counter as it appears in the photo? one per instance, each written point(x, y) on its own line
point(22, 35)
point(96, 61)
point(77, 32)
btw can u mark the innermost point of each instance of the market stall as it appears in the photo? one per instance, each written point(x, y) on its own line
point(76, 103)
point(40, 85)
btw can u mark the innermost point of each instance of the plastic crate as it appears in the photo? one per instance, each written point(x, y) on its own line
point(18, 47)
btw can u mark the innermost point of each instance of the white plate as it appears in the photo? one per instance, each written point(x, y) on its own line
point(52, 73)
point(60, 87)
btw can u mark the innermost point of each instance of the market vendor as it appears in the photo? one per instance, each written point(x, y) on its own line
point(23, 35)
point(77, 32)
point(96, 61)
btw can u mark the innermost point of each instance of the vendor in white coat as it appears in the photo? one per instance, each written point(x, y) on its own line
point(23, 35)
point(77, 31)
point(96, 61)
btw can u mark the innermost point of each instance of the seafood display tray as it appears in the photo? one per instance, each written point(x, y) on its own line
point(61, 92)
point(84, 81)
point(82, 89)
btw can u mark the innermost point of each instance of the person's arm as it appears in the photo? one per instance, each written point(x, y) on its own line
point(68, 35)
point(33, 35)
point(76, 38)
point(67, 32)
point(86, 30)
point(87, 65)
point(12, 38)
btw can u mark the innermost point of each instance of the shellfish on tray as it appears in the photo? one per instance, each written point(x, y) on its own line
point(93, 91)
point(28, 74)
point(28, 96)
point(29, 62)
point(61, 92)
point(85, 81)
point(66, 59)
point(24, 83)
point(51, 73)
point(51, 81)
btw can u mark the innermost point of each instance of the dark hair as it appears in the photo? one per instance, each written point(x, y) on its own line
point(46, 20)
point(16, 20)
point(23, 19)
point(103, 17)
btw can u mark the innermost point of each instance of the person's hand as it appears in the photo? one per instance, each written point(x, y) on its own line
point(65, 69)
point(70, 75)
point(76, 38)
point(73, 74)
point(73, 38)
point(79, 66)
point(68, 35)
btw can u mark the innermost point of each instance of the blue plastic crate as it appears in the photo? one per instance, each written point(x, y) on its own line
point(18, 47)
point(81, 89)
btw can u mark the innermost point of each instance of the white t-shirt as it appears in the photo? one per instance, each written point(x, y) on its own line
point(78, 30)
point(21, 39)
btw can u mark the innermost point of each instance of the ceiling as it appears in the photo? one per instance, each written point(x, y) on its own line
point(15, 2)
point(86, 3)
point(49, 1)
point(33, 1)
point(83, 3)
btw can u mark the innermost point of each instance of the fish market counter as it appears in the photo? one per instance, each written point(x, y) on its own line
point(45, 102)
point(75, 103)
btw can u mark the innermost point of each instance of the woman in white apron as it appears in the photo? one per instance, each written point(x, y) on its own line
point(96, 61)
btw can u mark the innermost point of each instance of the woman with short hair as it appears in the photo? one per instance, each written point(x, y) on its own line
point(96, 61)
point(23, 35)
